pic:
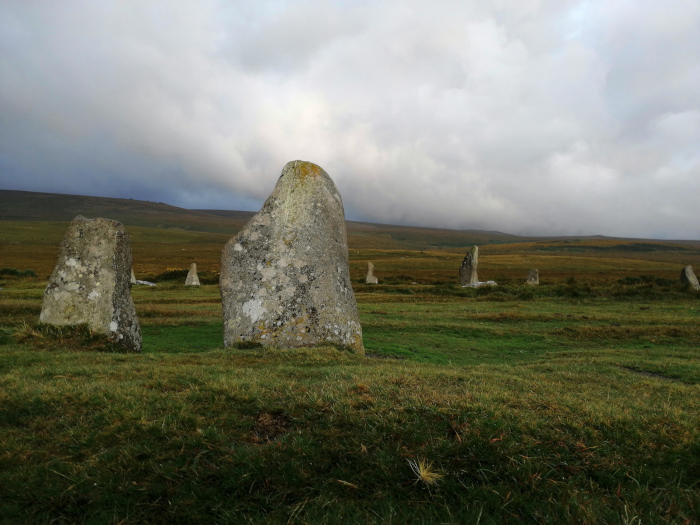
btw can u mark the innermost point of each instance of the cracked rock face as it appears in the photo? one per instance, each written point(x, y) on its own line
point(467, 271)
point(688, 277)
point(192, 277)
point(90, 283)
point(285, 280)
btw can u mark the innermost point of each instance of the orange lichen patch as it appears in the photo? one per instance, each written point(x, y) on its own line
point(308, 169)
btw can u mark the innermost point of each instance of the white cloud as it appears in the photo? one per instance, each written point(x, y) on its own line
point(527, 117)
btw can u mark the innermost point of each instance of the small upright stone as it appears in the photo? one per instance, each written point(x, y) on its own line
point(467, 272)
point(688, 277)
point(371, 279)
point(133, 277)
point(285, 279)
point(192, 277)
point(533, 278)
point(90, 283)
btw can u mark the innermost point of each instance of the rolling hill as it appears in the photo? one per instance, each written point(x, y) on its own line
point(23, 206)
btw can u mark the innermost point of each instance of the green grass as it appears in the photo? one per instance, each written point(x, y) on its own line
point(533, 405)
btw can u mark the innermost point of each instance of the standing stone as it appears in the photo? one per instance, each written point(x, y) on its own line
point(467, 272)
point(90, 283)
point(371, 279)
point(688, 277)
point(192, 277)
point(285, 279)
point(133, 277)
point(533, 278)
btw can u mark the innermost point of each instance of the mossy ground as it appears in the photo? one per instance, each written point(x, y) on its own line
point(574, 402)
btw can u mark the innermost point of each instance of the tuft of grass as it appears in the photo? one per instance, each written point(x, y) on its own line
point(424, 471)
point(64, 338)
point(14, 272)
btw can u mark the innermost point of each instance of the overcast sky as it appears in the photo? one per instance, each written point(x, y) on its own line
point(524, 116)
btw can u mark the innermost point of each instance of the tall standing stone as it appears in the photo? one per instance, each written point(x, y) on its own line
point(132, 280)
point(371, 278)
point(467, 272)
point(192, 277)
point(688, 277)
point(91, 282)
point(285, 279)
point(533, 278)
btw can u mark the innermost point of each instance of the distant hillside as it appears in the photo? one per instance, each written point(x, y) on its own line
point(33, 206)
point(56, 207)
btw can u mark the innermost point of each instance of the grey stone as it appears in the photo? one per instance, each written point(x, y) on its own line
point(90, 283)
point(192, 277)
point(133, 277)
point(285, 280)
point(533, 278)
point(467, 271)
point(144, 283)
point(688, 277)
point(371, 279)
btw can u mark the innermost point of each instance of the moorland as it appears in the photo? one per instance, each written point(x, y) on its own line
point(576, 401)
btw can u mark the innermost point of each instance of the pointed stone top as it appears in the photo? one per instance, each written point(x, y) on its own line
point(192, 277)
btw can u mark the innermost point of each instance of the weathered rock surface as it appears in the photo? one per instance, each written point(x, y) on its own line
point(688, 277)
point(90, 283)
point(285, 280)
point(371, 279)
point(192, 277)
point(467, 271)
point(533, 278)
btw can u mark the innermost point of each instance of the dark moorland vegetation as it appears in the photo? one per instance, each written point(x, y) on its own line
point(577, 401)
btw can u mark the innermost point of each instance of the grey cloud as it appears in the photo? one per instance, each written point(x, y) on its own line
point(524, 116)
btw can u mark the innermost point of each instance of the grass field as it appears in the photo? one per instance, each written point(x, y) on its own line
point(577, 401)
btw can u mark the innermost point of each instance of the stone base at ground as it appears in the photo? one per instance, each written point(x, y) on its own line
point(91, 282)
point(479, 284)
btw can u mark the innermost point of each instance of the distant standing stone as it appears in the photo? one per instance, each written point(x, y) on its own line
point(688, 277)
point(133, 277)
point(467, 272)
point(285, 279)
point(90, 283)
point(192, 277)
point(533, 278)
point(371, 279)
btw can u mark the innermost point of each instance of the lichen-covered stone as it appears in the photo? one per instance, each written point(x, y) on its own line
point(467, 271)
point(285, 280)
point(533, 278)
point(91, 282)
point(688, 277)
point(192, 277)
point(371, 278)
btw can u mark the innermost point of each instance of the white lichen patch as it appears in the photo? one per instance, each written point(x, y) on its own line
point(254, 309)
point(113, 326)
